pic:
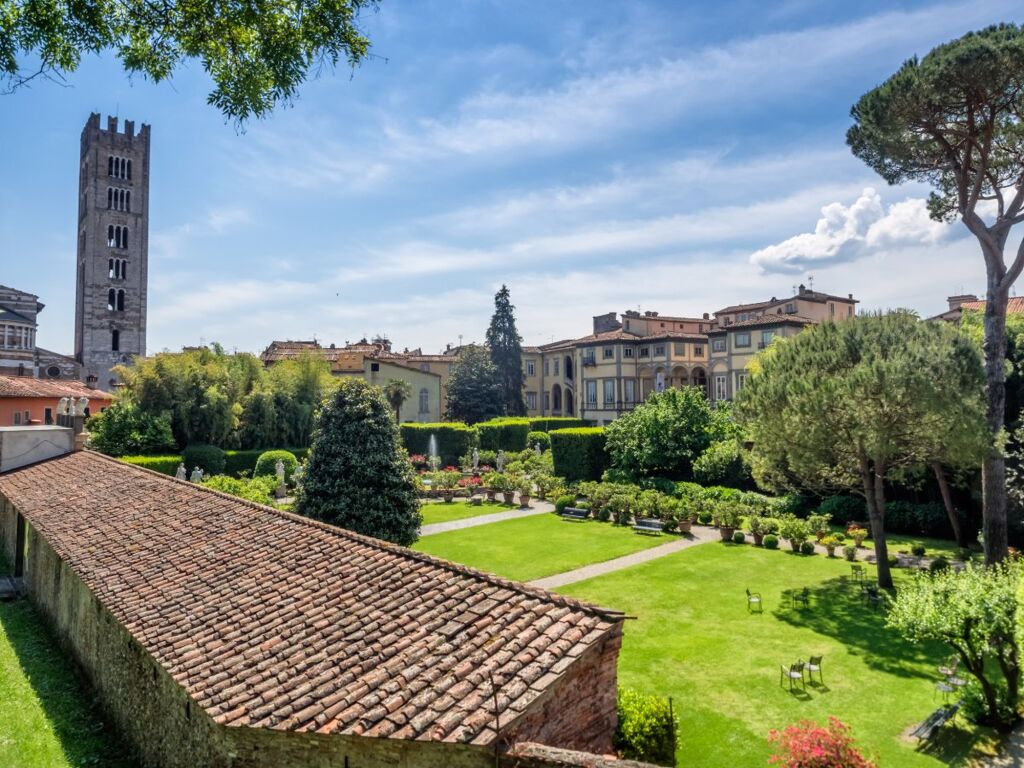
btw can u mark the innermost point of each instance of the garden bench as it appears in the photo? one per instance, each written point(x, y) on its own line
point(926, 731)
point(572, 513)
point(648, 525)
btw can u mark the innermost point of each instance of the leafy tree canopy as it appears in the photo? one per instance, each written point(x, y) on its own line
point(258, 53)
point(357, 475)
point(507, 353)
point(665, 435)
point(124, 429)
point(397, 392)
point(474, 390)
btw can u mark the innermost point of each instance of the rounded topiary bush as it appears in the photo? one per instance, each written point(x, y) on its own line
point(918, 550)
point(704, 517)
point(771, 541)
point(938, 564)
point(807, 548)
point(562, 502)
point(208, 458)
point(266, 464)
point(850, 552)
point(538, 438)
point(739, 537)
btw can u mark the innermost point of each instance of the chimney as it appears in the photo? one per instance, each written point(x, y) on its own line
point(90, 381)
point(955, 302)
point(707, 316)
point(21, 446)
point(803, 289)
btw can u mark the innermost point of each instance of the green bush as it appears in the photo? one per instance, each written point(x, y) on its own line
point(722, 463)
point(771, 541)
point(267, 462)
point(258, 489)
point(208, 458)
point(705, 516)
point(454, 439)
point(504, 434)
point(557, 422)
point(918, 550)
point(564, 501)
point(807, 548)
point(844, 509)
point(975, 708)
point(167, 465)
point(238, 463)
point(928, 519)
point(579, 453)
point(721, 493)
point(938, 564)
point(647, 728)
point(126, 429)
point(850, 552)
point(541, 438)
point(739, 537)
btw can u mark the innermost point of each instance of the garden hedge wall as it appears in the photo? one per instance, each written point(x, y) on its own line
point(507, 434)
point(235, 462)
point(454, 439)
point(579, 453)
point(546, 424)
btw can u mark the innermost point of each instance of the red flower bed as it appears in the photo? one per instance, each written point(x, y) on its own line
point(809, 745)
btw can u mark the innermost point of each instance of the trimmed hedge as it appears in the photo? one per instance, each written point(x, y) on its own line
point(579, 453)
point(167, 465)
point(646, 729)
point(209, 458)
point(266, 465)
point(546, 424)
point(505, 434)
point(454, 439)
point(534, 438)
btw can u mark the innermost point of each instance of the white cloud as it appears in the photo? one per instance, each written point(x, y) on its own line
point(847, 233)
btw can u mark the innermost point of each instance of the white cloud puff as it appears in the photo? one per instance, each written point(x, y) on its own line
point(847, 233)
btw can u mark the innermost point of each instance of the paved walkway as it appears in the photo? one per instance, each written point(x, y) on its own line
point(699, 535)
point(536, 508)
point(1011, 752)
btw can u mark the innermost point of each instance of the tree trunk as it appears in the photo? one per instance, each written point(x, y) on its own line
point(947, 501)
point(993, 469)
point(874, 494)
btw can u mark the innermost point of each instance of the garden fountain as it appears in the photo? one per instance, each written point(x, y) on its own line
point(434, 460)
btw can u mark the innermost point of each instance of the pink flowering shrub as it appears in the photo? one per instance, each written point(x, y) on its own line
point(809, 745)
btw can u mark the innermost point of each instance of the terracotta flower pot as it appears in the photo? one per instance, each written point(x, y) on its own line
point(448, 496)
point(490, 494)
point(509, 496)
point(794, 544)
point(726, 532)
point(758, 539)
point(524, 500)
point(685, 525)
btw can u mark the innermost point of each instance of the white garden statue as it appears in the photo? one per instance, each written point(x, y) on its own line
point(500, 460)
point(182, 472)
point(197, 475)
point(476, 459)
point(279, 471)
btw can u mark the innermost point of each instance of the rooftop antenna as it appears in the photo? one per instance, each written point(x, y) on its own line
point(793, 289)
point(810, 281)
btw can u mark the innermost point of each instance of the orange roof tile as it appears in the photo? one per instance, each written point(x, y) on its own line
point(25, 386)
point(271, 620)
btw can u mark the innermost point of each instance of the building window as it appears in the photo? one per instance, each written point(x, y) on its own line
point(766, 338)
point(718, 345)
point(556, 367)
point(588, 357)
point(531, 368)
point(645, 351)
point(531, 401)
point(743, 316)
point(831, 309)
point(742, 339)
point(720, 387)
point(698, 350)
point(424, 400)
point(111, 300)
point(741, 379)
point(17, 418)
point(374, 367)
point(120, 301)
point(425, 367)
point(48, 415)
point(607, 353)
point(659, 350)
point(627, 351)
point(629, 390)
point(547, 401)
point(849, 311)
point(592, 392)
point(791, 308)
point(115, 340)
point(609, 391)
point(679, 349)
point(547, 370)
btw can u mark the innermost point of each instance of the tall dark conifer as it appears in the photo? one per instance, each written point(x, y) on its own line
point(507, 353)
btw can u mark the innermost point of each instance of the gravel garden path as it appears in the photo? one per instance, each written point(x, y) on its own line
point(536, 508)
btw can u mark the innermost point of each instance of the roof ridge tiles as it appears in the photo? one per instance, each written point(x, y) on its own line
point(378, 544)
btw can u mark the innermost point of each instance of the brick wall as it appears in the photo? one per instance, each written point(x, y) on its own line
point(577, 710)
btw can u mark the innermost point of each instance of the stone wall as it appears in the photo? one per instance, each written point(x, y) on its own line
point(8, 523)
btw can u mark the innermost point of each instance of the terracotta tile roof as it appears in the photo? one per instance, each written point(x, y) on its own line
point(1015, 306)
point(274, 621)
point(25, 386)
point(762, 320)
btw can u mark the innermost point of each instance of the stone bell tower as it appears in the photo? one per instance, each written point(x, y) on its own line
point(113, 248)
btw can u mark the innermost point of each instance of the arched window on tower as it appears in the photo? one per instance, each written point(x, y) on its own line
point(129, 170)
point(124, 269)
point(124, 237)
point(111, 299)
point(111, 267)
point(128, 201)
point(110, 165)
point(120, 301)
point(115, 340)
point(110, 198)
point(110, 235)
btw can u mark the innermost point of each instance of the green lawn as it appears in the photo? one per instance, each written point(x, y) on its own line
point(48, 717)
point(439, 512)
point(694, 640)
point(533, 547)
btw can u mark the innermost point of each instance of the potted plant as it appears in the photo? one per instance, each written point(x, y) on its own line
point(857, 533)
point(491, 481)
point(850, 552)
point(760, 527)
point(729, 516)
point(447, 481)
point(672, 509)
point(819, 525)
point(524, 485)
point(621, 506)
point(831, 542)
point(794, 530)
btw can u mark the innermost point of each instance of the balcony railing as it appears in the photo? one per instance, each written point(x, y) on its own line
point(618, 405)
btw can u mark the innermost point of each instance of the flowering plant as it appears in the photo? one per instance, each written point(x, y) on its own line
point(809, 745)
point(470, 482)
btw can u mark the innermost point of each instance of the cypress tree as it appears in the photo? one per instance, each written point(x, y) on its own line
point(507, 353)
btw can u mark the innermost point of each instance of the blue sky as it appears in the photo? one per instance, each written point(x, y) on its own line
point(594, 156)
